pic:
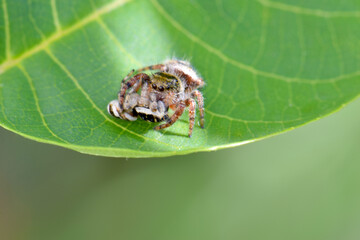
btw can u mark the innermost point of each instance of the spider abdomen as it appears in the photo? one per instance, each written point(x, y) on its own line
point(147, 115)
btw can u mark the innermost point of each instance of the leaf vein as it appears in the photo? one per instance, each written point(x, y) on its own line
point(219, 88)
point(2, 105)
point(336, 45)
point(7, 32)
point(262, 40)
point(55, 15)
point(257, 96)
point(36, 99)
point(248, 121)
point(33, 21)
point(300, 34)
point(117, 42)
point(308, 11)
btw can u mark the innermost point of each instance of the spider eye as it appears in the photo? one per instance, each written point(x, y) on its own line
point(154, 86)
point(161, 88)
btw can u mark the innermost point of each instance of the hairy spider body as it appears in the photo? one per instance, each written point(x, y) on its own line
point(173, 86)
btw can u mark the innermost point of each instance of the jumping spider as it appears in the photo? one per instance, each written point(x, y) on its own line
point(174, 86)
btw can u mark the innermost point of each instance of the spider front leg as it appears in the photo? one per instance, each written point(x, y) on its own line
point(178, 112)
point(137, 79)
point(200, 100)
point(192, 108)
point(152, 67)
point(127, 77)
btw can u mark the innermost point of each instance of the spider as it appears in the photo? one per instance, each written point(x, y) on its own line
point(174, 86)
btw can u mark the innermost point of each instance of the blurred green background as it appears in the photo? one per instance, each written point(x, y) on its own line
point(303, 184)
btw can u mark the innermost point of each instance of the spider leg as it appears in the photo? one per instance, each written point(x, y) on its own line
point(140, 77)
point(181, 62)
point(114, 110)
point(135, 88)
point(179, 111)
point(192, 108)
point(162, 108)
point(145, 95)
point(199, 82)
point(127, 77)
point(200, 100)
point(152, 67)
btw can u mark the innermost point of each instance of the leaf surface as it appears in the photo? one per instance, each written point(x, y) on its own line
point(269, 67)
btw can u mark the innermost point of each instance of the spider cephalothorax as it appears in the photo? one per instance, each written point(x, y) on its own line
point(174, 86)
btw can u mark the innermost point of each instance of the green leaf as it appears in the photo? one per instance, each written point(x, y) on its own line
point(269, 66)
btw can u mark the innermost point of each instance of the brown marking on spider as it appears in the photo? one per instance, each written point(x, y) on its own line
point(174, 85)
